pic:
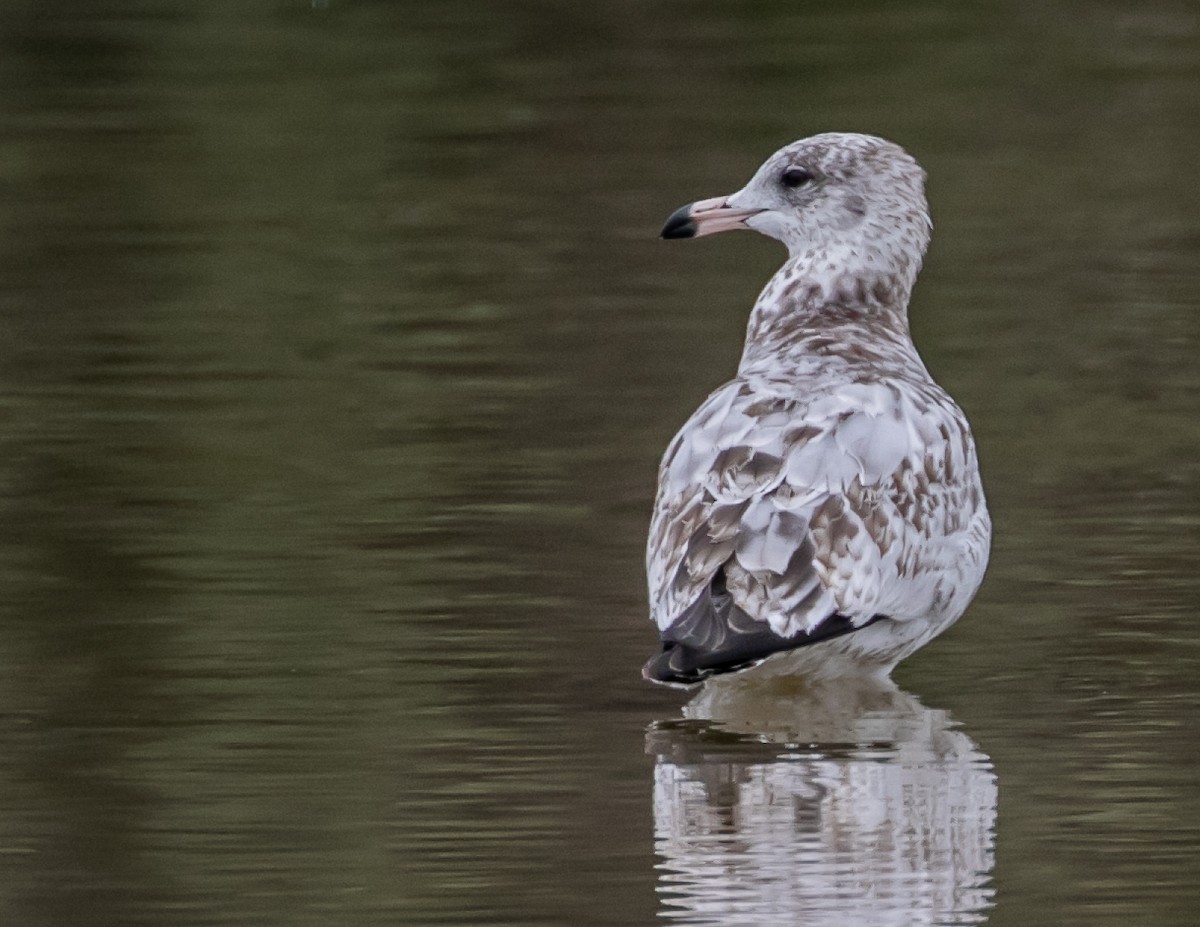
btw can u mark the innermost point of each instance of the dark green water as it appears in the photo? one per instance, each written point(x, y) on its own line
point(337, 352)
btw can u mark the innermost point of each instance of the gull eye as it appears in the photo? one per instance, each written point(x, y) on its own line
point(795, 177)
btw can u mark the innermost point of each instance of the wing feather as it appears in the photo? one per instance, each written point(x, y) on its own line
point(848, 501)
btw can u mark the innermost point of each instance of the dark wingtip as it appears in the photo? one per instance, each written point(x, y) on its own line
point(683, 666)
point(680, 224)
point(658, 669)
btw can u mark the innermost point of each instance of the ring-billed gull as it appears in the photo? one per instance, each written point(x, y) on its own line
point(829, 494)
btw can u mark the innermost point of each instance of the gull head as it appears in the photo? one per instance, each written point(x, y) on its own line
point(840, 202)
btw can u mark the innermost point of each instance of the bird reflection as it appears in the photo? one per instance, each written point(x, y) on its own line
point(830, 806)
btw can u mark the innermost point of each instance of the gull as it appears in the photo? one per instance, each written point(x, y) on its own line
point(821, 514)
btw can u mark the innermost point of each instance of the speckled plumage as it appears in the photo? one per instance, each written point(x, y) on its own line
point(831, 488)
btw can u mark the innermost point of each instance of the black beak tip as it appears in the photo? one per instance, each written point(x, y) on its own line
point(679, 224)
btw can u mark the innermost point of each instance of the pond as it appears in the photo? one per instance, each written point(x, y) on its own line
point(337, 353)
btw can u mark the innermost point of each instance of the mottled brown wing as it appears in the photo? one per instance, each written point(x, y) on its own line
point(810, 508)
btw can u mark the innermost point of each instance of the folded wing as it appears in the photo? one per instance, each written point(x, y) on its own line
point(783, 520)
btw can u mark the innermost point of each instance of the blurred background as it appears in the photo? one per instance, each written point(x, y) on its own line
point(337, 352)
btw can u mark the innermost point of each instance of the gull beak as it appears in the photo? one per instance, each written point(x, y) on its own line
point(706, 217)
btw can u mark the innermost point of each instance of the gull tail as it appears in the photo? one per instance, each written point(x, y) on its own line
point(714, 635)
